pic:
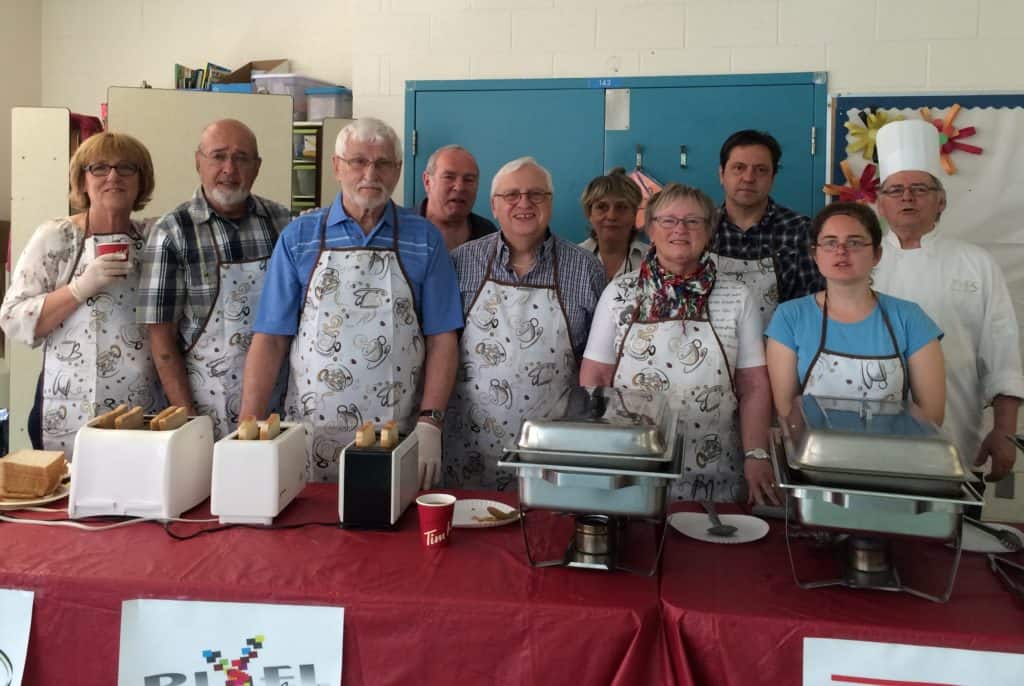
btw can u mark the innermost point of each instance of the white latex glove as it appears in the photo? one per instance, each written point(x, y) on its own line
point(429, 437)
point(100, 273)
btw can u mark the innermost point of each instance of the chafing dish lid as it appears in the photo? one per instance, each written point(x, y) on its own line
point(857, 435)
point(601, 421)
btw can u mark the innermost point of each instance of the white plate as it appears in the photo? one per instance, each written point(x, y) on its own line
point(977, 541)
point(18, 503)
point(696, 524)
point(466, 510)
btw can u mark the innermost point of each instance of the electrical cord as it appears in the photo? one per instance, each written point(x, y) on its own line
point(225, 527)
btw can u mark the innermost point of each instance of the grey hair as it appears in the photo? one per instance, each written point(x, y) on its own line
point(368, 130)
point(677, 191)
point(432, 160)
point(517, 164)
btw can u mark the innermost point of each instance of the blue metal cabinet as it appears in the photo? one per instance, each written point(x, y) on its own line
point(567, 125)
point(562, 128)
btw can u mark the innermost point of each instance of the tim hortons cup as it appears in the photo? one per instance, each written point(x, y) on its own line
point(436, 511)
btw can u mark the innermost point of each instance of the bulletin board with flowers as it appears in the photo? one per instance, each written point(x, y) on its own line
point(982, 139)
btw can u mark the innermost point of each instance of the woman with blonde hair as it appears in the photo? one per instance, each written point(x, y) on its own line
point(73, 292)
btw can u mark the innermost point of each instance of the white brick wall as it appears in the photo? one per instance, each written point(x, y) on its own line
point(865, 45)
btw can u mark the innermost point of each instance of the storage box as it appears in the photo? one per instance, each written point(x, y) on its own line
point(328, 101)
point(245, 73)
point(254, 480)
point(141, 473)
point(287, 84)
point(231, 87)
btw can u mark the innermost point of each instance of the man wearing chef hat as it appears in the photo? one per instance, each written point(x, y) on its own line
point(959, 285)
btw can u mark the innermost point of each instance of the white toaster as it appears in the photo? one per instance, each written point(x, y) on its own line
point(141, 473)
point(254, 480)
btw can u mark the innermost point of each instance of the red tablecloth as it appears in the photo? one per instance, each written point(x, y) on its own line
point(474, 613)
point(734, 615)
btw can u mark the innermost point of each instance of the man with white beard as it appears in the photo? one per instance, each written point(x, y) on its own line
point(363, 300)
point(202, 275)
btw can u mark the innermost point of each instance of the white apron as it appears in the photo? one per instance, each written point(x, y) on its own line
point(516, 358)
point(98, 357)
point(834, 374)
point(760, 278)
point(691, 367)
point(216, 360)
point(358, 352)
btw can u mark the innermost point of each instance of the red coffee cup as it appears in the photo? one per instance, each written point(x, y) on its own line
point(112, 248)
point(436, 512)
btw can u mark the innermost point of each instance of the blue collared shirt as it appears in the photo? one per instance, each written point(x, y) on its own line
point(421, 250)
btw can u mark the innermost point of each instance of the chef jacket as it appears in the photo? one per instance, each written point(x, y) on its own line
point(960, 286)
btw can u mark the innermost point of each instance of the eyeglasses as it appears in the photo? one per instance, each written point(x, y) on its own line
point(220, 158)
point(916, 190)
point(535, 197)
point(359, 164)
point(102, 169)
point(850, 245)
point(668, 222)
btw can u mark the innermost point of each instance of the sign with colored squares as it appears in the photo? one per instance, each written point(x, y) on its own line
point(236, 670)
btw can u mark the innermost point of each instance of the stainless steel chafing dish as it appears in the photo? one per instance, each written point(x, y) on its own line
point(874, 469)
point(871, 444)
point(601, 427)
point(603, 454)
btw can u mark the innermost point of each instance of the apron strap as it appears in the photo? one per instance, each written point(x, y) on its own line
point(895, 347)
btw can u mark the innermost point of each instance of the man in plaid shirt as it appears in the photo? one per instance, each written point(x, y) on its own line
point(759, 242)
point(202, 273)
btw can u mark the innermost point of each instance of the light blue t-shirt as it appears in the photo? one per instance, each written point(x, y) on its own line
point(421, 250)
point(797, 325)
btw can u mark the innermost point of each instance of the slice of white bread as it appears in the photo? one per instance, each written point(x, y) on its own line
point(31, 473)
point(248, 429)
point(158, 418)
point(366, 435)
point(132, 419)
point(170, 421)
point(389, 434)
point(270, 428)
point(106, 420)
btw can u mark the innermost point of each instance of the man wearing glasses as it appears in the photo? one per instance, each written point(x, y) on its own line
point(960, 286)
point(363, 298)
point(202, 275)
point(451, 180)
point(759, 242)
point(529, 298)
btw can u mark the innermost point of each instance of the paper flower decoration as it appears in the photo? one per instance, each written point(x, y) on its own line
point(863, 134)
point(950, 137)
point(863, 190)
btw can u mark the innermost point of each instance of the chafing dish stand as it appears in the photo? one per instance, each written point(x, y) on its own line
point(871, 518)
point(606, 502)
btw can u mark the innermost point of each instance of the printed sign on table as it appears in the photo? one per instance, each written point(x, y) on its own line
point(15, 622)
point(832, 662)
point(185, 643)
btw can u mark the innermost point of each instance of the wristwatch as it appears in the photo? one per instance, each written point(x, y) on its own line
point(757, 454)
point(436, 416)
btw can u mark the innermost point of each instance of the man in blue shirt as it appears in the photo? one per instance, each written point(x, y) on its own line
point(365, 301)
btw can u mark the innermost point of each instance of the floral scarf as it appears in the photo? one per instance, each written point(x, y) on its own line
point(663, 295)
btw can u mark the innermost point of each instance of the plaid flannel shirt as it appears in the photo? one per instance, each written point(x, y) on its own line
point(781, 233)
point(179, 279)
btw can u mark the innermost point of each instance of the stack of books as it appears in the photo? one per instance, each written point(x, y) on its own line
point(198, 79)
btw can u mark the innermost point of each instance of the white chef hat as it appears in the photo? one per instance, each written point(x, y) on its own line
point(911, 145)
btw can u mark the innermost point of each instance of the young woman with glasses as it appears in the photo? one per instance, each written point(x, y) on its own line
point(849, 341)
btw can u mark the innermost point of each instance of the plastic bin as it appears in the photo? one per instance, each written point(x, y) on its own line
point(231, 87)
point(328, 101)
point(287, 84)
point(304, 181)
